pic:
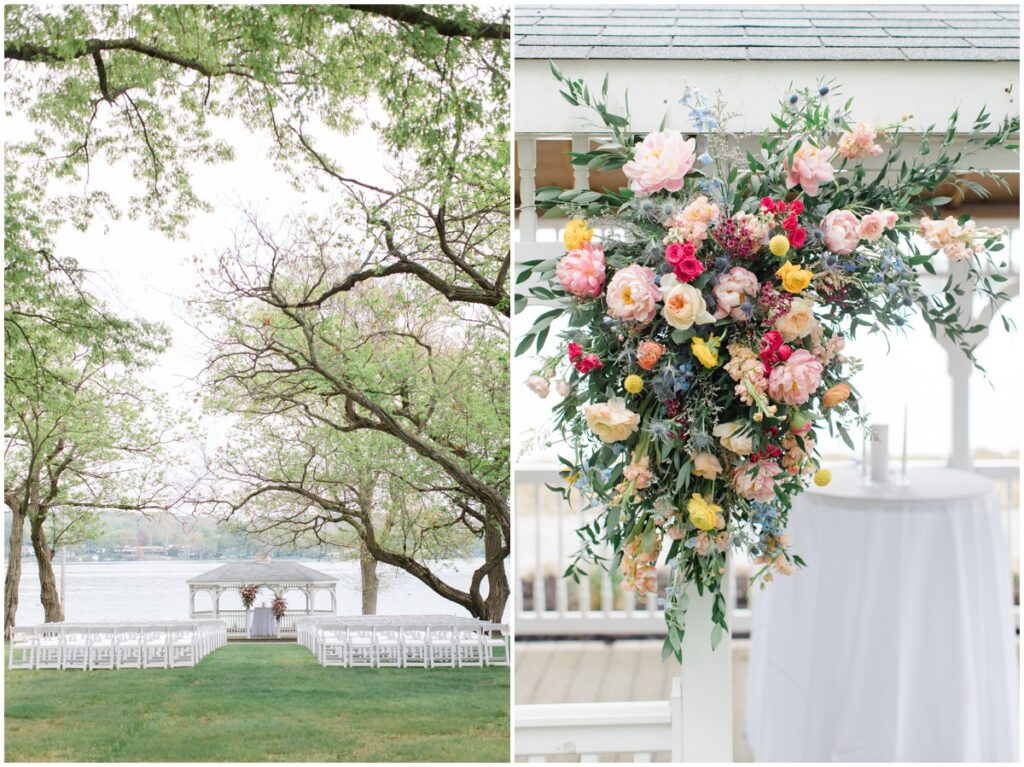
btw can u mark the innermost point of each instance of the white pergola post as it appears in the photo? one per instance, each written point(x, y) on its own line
point(527, 149)
point(702, 725)
point(216, 601)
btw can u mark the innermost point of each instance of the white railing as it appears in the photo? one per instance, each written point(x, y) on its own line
point(548, 604)
point(238, 626)
point(631, 731)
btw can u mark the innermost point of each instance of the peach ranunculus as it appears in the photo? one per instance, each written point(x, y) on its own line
point(796, 379)
point(836, 395)
point(684, 304)
point(611, 421)
point(706, 465)
point(757, 482)
point(859, 142)
point(842, 232)
point(581, 271)
point(632, 294)
point(798, 321)
point(810, 168)
point(734, 287)
point(660, 162)
point(648, 353)
point(874, 224)
point(741, 444)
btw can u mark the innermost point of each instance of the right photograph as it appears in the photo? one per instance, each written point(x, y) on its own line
point(766, 383)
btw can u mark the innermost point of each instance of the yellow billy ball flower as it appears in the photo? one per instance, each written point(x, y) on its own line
point(794, 279)
point(822, 477)
point(703, 513)
point(634, 384)
point(577, 233)
point(779, 245)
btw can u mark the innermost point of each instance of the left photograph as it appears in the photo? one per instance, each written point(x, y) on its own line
point(256, 383)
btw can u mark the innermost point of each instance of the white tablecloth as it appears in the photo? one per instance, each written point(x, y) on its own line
point(263, 623)
point(896, 642)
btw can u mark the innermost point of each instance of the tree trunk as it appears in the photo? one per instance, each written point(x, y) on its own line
point(368, 570)
point(48, 594)
point(13, 579)
point(497, 581)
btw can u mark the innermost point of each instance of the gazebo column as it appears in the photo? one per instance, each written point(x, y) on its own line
point(216, 601)
point(309, 592)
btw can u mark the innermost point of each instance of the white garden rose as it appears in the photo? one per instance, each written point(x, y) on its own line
point(538, 385)
point(612, 421)
point(741, 444)
point(798, 322)
point(684, 304)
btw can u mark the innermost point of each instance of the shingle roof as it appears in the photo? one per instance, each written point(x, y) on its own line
point(762, 32)
point(260, 572)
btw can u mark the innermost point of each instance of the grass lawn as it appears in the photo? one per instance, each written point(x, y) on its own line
point(258, 702)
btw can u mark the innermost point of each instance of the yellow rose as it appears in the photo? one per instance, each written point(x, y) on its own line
point(611, 421)
point(705, 351)
point(703, 513)
point(822, 477)
point(779, 245)
point(577, 233)
point(794, 279)
point(836, 395)
point(634, 384)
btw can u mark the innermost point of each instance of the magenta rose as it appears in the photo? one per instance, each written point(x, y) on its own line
point(687, 269)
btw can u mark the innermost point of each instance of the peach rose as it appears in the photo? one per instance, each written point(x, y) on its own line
point(872, 226)
point(684, 304)
point(611, 421)
point(798, 322)
point(842, 232)
point(632, 294)
point(859, 142)
point(810, 168)
point(581, 271)
point(796, 379)
point(706, 465)
point(741, 444)
point(648, 353)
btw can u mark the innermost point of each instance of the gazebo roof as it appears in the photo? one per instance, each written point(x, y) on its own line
point(262, 572)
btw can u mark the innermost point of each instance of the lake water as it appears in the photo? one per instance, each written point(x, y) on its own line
point(157, 590)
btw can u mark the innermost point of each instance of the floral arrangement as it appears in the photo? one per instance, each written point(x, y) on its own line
point(279, 606)
point(705, 349)
point(249, 595)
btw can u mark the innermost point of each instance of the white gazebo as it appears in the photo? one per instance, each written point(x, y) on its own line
point(278, 578)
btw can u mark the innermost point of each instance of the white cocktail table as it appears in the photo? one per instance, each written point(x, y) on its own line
point(897, 641)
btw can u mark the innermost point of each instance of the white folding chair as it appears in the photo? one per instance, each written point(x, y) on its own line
point(415, 646)
point(469, 645)
point(154, 646)
point(387, 642)
point(495, 637)
point(102, 646)
point(443, 647)
point(182, 646)
point(129, 646)
point(359, 644)
point(75, 647)
point(23, 646)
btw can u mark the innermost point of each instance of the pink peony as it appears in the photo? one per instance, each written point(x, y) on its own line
point(842, 232)
point(757, 482)
point(581, 271)
point(734, 287)
point(660, 162)
point(794, 380)
point(632, 294)
point(859, 142)
point(810, 168)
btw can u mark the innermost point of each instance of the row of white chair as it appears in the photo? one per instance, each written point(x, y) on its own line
point(88, 646)
point(405, 641)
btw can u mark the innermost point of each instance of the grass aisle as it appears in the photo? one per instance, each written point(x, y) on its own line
point(258, 702)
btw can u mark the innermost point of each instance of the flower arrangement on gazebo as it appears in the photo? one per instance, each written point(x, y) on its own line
point(706, 329)
point(249, 595)
point(279, 606)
